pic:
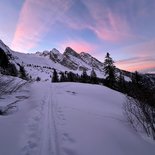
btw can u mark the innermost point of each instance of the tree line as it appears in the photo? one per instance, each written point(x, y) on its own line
point(72, 77)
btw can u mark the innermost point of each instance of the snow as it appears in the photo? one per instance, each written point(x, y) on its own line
point(40, 66)
point(68, 119)
point(128, 79)
point(4, 47)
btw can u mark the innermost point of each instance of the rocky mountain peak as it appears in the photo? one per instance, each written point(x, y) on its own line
point(69, 51)
point(55, 55)
point(86, 55)
point(54, 51)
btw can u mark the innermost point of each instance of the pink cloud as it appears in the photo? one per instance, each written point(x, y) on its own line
point(110, 26)
point(78, 46)
point(106, 24)
point(142, 49)
point(140, 67)
point(35, 20)
point(137, 63)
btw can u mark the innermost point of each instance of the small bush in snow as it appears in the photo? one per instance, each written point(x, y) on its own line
point(38, 79)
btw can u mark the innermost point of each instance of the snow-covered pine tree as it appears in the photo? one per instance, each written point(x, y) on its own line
point(110, 71)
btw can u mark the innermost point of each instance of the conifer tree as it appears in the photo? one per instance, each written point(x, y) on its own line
point(109, 69)
point(93, 76)
point(84, 76)
point(121, 82)
point(55, 76)
point(71, 77)
point(63, 77)
point(136, 79)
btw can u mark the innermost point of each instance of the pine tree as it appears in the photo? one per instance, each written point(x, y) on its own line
point(55, 76)
point(93, 77)
point(63, 77)
point(109, 69)
point(84, 76)
point(136, 79)
point(121, 82)
point(71, 77)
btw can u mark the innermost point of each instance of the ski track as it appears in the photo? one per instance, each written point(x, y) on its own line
point(64, 137)
point(45, 132)
point(40, 137)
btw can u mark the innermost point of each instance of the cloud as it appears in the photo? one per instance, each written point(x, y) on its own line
point(140, 49)
point(141, 56)
point(78, 46)
point(103, 21)
point(109, 25)
point(137, 63)
point(35, 20)
point(146, 48)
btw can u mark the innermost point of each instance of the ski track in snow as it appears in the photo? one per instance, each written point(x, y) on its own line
point(62, 137)
point(40, 137)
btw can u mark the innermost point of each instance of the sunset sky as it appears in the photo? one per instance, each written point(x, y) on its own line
point(124, 28)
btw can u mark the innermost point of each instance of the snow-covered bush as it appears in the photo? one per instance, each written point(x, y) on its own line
point(141, 116)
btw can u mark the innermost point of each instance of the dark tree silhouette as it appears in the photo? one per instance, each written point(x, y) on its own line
point(84, 77)
point(110, 72)
point(63, 77)
point(55, 76)
point(121, 85)
point(93, 77)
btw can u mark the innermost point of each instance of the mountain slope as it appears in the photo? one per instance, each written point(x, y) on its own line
point(43, 63)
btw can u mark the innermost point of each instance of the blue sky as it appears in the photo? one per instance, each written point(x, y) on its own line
point(124, 28)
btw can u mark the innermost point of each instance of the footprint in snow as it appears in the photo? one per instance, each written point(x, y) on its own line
point(66, 137)
point(71, 92)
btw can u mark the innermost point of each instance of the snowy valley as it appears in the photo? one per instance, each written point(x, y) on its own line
point(67, 118)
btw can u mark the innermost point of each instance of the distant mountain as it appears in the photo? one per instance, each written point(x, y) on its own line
point(73, 60)
point(41, 64)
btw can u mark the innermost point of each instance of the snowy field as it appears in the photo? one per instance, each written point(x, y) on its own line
point(68, 119)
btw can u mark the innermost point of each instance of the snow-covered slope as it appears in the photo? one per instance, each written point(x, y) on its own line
point(42, 63)
point(69, 119)
point(4, 47)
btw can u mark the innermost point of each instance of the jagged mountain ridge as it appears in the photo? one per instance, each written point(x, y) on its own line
point(73, 60)
point(43, 62)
